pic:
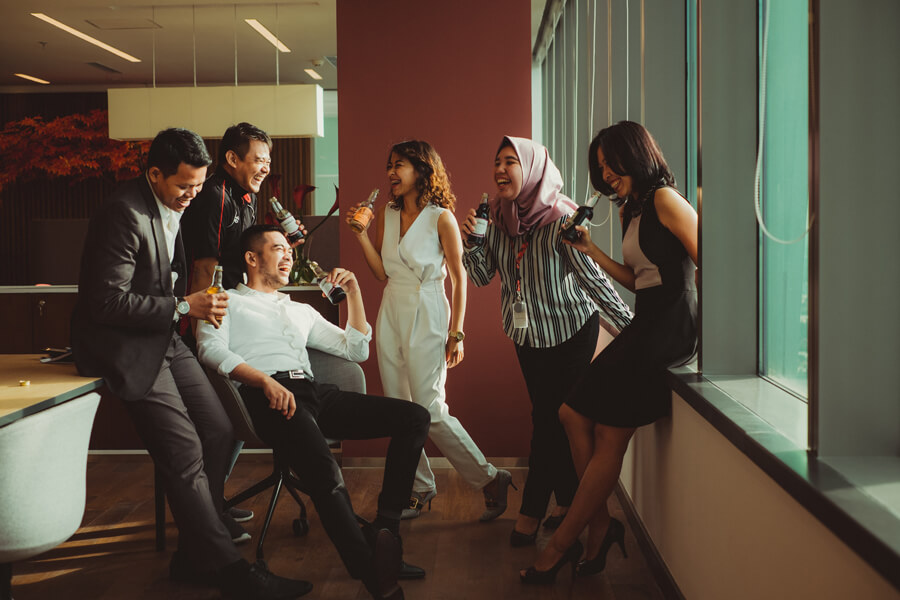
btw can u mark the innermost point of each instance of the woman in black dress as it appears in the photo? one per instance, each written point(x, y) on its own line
point(624, 386)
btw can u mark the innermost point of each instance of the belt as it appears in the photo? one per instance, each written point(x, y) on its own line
point(293, 374)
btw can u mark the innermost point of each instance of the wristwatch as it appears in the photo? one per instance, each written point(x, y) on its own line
point(458, 335)
point(182, 307)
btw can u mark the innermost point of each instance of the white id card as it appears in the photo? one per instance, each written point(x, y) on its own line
point(520, 314)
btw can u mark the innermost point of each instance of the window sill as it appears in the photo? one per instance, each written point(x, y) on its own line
point(849, 496)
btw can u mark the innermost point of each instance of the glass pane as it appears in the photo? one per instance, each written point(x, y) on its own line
point(785, 196)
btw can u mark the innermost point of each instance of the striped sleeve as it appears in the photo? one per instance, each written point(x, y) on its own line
point(480, 263)
point(595, 282)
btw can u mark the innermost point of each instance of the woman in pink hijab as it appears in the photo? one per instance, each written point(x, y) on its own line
point(551, 296)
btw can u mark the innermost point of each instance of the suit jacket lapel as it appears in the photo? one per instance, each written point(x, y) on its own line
point(159, 235)
point(180, 266)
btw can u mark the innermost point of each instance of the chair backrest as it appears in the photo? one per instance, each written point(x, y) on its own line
point(326, 368)
point(43, 461)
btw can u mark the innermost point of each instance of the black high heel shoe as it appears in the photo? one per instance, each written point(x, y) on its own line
point(533, 576)
point(615, 534)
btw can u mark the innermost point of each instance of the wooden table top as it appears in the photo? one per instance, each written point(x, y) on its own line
point(51, 384)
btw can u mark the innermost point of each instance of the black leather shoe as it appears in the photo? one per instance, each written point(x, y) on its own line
point(243, 581)
point(408, 571)
point(183, 571)
point(382, 581)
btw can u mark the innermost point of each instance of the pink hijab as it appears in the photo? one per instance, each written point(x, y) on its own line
point(540, 201)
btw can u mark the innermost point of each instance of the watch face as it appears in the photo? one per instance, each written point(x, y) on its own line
point(183, 307)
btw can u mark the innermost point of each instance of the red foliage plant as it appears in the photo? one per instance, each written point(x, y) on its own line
point(76, 146)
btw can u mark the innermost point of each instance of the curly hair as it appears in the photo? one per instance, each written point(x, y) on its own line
point(432, 179)
point(629, 149)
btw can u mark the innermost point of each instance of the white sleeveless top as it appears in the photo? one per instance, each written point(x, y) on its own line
point(418, 257)
point(646, 273)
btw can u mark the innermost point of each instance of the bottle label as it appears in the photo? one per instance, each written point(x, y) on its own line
point(334, 293)
point(361, 219)
point(289, 224)
point(480, 227)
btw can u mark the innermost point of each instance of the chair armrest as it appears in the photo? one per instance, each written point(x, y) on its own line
point(328, 368)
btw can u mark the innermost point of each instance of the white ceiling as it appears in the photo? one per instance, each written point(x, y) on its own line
point(172, 39)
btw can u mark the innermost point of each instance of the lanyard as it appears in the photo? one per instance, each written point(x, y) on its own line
point(518, 266)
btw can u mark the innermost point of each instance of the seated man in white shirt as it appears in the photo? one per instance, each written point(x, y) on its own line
point(261, 344)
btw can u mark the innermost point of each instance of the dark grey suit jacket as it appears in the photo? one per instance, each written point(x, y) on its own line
point(122, 322)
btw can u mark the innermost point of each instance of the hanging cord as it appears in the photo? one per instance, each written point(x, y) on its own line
point(593, 53)
point(759, 151)
point(627, 58)
point(573, 160)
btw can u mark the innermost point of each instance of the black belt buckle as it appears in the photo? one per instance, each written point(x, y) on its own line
point(296, 374)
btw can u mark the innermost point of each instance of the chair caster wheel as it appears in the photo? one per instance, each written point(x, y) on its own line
point(301, 527)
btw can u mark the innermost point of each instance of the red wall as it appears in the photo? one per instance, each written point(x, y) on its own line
point(457, 74)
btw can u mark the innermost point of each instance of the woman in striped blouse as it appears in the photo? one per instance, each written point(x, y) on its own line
point(550, 295)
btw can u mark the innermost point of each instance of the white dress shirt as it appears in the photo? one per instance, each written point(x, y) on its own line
point(171, 221)
point(271, 332)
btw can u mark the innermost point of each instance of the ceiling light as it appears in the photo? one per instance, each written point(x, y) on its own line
point(259, 27)
point(30, 78)
point(312, 73)
point(86, 37)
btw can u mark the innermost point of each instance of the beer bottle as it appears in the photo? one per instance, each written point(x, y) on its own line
point(364, 214)
point(288, 223)
point(216, 286)
point(476, 238)
point(333, 292)
point(582, 214)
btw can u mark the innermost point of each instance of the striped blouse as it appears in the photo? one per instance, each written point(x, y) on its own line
point(561, 287)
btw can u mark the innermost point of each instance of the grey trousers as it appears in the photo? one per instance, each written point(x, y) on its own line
point(190, 438)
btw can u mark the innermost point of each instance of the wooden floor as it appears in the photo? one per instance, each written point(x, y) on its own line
point(112, 555)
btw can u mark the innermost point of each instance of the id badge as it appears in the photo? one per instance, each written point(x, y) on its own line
point(520, 314)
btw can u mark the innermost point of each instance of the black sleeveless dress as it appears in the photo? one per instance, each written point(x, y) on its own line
point(625, 385)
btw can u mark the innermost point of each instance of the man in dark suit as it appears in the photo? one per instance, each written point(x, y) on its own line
point(123, 329)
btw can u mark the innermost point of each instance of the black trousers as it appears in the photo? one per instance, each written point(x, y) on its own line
point(550, 375)
point(189, 437)
point(325, 411)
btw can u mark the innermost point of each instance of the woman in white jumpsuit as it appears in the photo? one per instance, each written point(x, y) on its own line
point(417, 335)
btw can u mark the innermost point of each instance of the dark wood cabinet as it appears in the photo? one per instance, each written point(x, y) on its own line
point(30, 322)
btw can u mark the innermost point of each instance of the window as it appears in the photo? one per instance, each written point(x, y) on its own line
point(784, 193)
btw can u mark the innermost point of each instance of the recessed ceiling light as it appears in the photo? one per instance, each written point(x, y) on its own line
point(30, 78)
point(312, 73)
point(86, 37)
point(259, 27)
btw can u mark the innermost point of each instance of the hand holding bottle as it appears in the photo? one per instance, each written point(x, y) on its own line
point(468, 226)
point(582, 243)
point(361, 216)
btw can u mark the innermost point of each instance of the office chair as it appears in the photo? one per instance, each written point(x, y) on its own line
point(42, 481)
point(327, 368)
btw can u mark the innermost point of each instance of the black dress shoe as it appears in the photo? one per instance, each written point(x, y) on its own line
point(385, 570)
point(183, 570)
point(408, 571)
point(243, 581)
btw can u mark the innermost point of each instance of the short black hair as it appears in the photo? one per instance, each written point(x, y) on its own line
point(629, 149)
point(237, 138)
point(251, 237)
point(174, 146)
